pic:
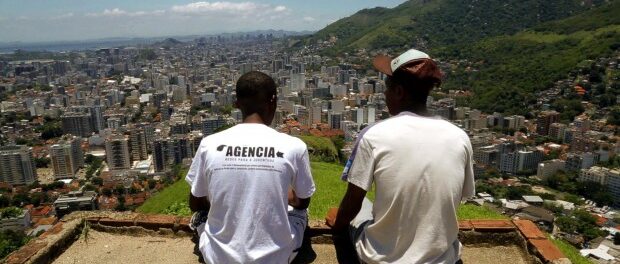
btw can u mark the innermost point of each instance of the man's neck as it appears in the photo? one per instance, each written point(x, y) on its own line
point(254, 119)
point(417, 109)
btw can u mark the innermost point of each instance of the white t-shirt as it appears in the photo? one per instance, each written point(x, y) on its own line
point(245, 172)
point(422, 169)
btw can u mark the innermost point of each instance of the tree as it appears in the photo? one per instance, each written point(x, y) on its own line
point(119, 190)
point(20, 199)
point(50, 130)
point(516, 193)
point(121, 204)
point(42, 162)
point(96, 181)
point(614, 116)
point(4, 201)
point(152, 184)
point(106, 192)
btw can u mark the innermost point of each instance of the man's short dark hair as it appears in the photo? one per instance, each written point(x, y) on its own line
point(254, 91)
point(417, 88)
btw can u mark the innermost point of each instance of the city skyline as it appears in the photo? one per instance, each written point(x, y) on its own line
point(70, 20)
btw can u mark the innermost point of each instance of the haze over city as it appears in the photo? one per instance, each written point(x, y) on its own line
point(66, 20)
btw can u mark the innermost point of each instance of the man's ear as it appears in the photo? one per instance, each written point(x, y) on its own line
point(400, 92)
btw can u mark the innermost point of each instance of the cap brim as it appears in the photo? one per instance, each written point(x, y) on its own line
point(383, 63)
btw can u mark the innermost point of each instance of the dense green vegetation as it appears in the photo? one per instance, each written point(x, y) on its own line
point(582, 222)
point(177, 192)
point(503, 51)
point(38, 55)
point(442, 22)
point(321, 148)
point(10, 212)
point(11, 241)
point(510, 69)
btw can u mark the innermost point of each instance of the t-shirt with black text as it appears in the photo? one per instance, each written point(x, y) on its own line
point(245, 172)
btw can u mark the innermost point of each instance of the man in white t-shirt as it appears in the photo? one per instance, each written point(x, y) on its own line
point(254, 182)
point(421, 167)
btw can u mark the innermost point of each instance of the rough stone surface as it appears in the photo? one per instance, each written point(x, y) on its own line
point(465, 225)
point(113, 248)
point(138, 238)
point(25, 252)
point(495, 254)
point(529, 229)
point(492, 225)
point(548, 251)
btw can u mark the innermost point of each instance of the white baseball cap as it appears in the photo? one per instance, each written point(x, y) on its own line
point(387, 65)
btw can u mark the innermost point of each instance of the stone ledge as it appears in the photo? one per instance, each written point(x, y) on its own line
point(53, 242)
point(492, 225)
point(546, 250)
point(529, 230)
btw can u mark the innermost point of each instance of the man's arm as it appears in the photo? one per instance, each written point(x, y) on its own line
point(349, 208)
point(297, 202)
point(198, 203)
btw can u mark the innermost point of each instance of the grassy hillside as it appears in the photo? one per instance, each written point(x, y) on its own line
point(432, 23)
point(175, 193)
point(321, 148)
point(330, 190)
point(505, 71)
point(506, 50)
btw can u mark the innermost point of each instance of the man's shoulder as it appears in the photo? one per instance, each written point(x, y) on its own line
point(397, 123)
point(292, 142)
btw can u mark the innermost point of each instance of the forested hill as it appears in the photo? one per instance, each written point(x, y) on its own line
point(502, 50)
point(506, 71)
point(444, 22)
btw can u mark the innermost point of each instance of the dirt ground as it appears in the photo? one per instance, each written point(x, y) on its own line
point(104, 247)
point(112, 248)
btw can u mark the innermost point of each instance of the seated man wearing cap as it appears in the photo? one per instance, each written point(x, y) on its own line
point(254, 182)
point(421, 167)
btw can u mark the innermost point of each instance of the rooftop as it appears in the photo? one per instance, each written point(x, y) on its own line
point(109, 237)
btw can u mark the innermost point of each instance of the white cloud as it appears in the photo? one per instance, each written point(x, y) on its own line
point(64, 16)
point(116, 12)
point(203, 7)
point(309, 18)
point(245, 9)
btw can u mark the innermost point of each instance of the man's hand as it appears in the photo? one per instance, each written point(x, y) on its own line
point(296, 202)
point(349, 207)
point(330, 218)
point(198, 203)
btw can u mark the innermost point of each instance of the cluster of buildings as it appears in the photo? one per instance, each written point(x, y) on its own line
point(145, 115)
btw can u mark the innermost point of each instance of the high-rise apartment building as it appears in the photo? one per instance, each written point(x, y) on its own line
point(544, 120)
point(79, 124)
point(66, 157)
point(17, 165)
point(117, 152)
point(138, 143)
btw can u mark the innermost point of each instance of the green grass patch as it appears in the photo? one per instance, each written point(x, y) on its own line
point(329, 188)
point(473, 212)
point(329, 192)
point(570, 252)
point(158, 203)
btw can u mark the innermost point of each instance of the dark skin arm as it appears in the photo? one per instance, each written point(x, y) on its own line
point(297, 202)
point(349, 208)
point(198, 203)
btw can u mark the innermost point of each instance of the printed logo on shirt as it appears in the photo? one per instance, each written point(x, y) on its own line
point(250, 152)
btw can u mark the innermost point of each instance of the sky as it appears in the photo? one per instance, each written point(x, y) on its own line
point(67, 20)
